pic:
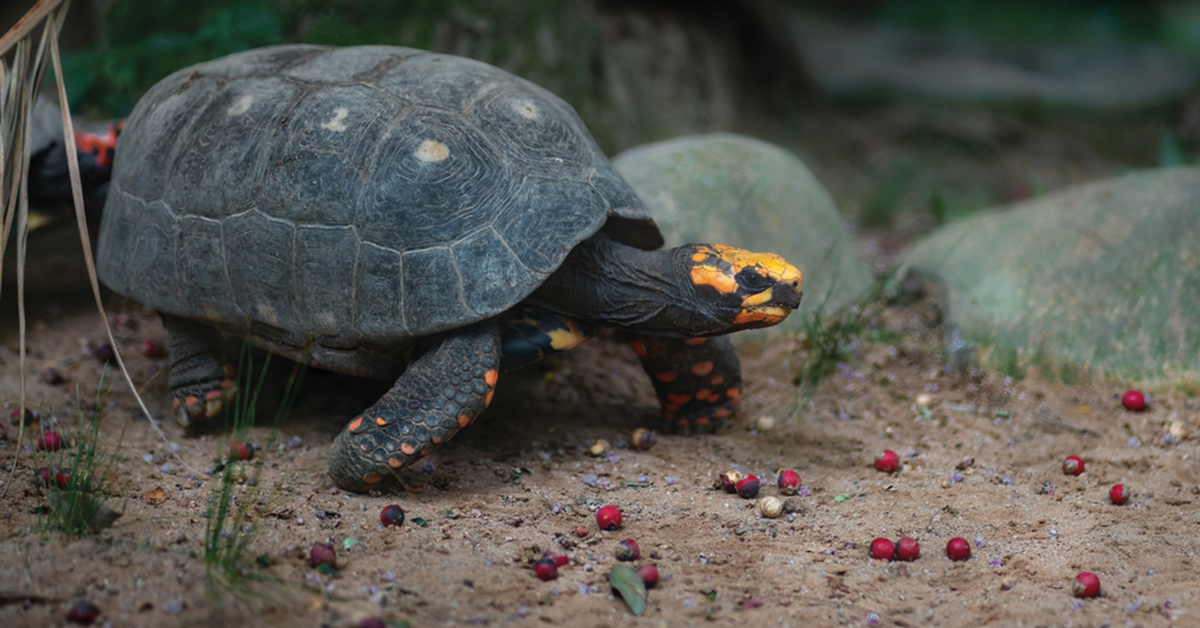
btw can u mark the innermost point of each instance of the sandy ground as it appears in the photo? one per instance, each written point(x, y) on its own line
point(982, 460)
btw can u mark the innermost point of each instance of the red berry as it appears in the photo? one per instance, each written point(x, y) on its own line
point(1134, 401)
point(545, 569)
point(391, 515)
point(958, 549)
point(152, 348)
point(888, 461)
point(1119, 494)
point(747, 488)
point(608, 517)
point(1073, 465)
point(789, 482)
point(729, 481)
point(882, 549)
point(581, 531)
point(49, 441)
point(1087, 585)
point(371, 622)
point(43, 474)
point(322, 554)
point(241, 451)
point(560, 560)
point(649, 573)
point(908, 549)
point(628, 551)
point(63, 479)
point(83, 613)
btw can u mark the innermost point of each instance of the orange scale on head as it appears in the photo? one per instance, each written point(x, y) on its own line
point(372, 478)
point(464, 420)
point(407, 449)
point(355, 424)
point(394, 463)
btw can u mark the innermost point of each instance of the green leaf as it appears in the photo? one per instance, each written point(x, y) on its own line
point(349, 542)
point(417, 521)
point(628, 582)
point(840, 498)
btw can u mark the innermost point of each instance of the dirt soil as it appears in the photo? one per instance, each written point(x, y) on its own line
point(981, 459)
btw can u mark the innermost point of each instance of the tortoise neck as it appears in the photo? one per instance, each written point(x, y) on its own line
point(615, 285)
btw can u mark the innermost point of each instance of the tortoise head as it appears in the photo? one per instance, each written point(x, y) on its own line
point(738, 289)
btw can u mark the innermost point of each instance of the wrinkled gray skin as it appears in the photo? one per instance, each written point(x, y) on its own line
point(288, 193)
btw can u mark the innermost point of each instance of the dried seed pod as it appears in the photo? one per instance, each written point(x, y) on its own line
point(770, 507)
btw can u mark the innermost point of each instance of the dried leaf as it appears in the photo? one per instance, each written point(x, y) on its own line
point(155, 497)
point(628, 582)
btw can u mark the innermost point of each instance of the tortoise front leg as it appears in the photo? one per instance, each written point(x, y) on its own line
point(698, 380)
point(200, 384)
point(442, 392)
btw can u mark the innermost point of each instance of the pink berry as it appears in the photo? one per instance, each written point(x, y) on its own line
point(43, 475)
point(1087, 584)
point(882, 549)
point(152, 348)
point(560, 560)
point(546, 569)
point(608, 518)
point(49, 441)
point(888, 461)
point(83, 613)
point(1118, 494)
point(627, 551)
point(729, 480)
point(63, 479)
point(240, 451)
point(322, 554)
point(908, 549)
point(789, 482)
point(391, 515)
point(958, 549)
point(748, 487)
point(649, 573)
point(1073, 465)
point(1134, 401)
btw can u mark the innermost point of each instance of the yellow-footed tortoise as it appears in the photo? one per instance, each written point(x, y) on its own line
point(393, 213)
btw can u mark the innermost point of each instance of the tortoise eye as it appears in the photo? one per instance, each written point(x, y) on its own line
point(750, 279)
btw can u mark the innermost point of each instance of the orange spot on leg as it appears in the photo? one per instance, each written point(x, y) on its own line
point(355, 424)
point(721, 413)
point(716, 380)
point(734, 394)
point(638, 348)
point(372, 478)
point(491, 376)
point(394, 463)
point(380, 421)
point(666, 377)
point(487, 401)
point(407, 449)
point(701, 369)
point(705, 395)
point(678, 398)
point(692, 342)
point(464, 420)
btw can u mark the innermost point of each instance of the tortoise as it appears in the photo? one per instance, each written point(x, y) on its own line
point(394, 213)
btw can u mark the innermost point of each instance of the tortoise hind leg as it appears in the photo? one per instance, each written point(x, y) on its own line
point(698, 380)
point(442, 392)
point(199, 382)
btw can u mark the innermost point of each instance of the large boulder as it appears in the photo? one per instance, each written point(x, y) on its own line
point(731, 189)
point(1099, 281)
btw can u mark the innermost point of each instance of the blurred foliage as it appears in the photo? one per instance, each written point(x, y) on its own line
point(1095, 21)
point(138, 43)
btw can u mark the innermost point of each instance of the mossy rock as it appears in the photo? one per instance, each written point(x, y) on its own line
point(1099, 282)
point(731, 189)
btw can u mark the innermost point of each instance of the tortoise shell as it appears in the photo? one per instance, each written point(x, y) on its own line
point(328, 201)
